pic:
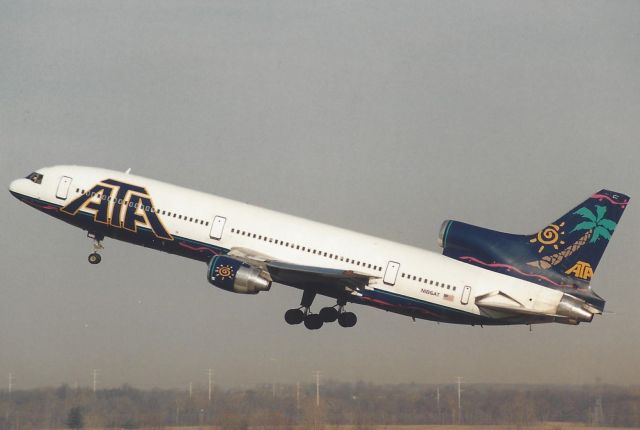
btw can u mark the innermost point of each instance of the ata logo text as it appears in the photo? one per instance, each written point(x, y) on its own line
point(119, 205)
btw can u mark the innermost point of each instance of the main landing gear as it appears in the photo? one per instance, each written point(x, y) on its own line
point(327, 315)
point(94, 257)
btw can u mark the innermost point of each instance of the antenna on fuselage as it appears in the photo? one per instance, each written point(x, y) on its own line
point(126, 172)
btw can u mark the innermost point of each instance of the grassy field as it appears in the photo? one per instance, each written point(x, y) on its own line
point(540, 426)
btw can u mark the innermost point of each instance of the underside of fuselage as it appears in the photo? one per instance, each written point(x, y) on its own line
point(201, 251)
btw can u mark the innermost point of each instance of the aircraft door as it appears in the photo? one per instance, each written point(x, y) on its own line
point(391, 273)
point(63, 187)
point(464, 299)
point(217, 226)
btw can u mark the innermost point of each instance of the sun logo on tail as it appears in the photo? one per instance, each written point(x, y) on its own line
point(595, 226)
point(549, 236)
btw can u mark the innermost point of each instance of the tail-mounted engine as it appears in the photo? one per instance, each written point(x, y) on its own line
point(572, 310)
point(235, 276)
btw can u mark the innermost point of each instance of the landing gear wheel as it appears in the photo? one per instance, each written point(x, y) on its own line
point(313, 321)
point(347, 319)
point(328, 314)
point(294, 316)
point(94, 258)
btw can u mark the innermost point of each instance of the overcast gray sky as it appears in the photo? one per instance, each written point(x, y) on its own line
point(382, 117)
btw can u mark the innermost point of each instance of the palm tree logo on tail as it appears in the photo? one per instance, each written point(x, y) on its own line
point(595, 226)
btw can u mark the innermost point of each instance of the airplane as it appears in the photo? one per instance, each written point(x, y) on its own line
point(483, 277)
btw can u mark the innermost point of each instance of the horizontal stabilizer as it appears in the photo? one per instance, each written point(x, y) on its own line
point(502, 302)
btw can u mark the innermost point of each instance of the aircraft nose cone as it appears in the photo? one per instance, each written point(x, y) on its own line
point(14, 187)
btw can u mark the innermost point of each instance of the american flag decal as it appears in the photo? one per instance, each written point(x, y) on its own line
point(448, 297)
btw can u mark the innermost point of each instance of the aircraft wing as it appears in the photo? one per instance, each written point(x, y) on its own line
point(324, 279)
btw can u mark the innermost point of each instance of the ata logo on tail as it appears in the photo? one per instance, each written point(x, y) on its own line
point(581, 270)
point(120, 205)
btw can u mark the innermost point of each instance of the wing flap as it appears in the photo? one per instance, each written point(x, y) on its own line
point(302, 276)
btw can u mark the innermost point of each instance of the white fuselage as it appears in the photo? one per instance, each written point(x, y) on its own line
point(423, 277)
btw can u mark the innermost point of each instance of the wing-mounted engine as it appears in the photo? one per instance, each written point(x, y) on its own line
point(236, 276)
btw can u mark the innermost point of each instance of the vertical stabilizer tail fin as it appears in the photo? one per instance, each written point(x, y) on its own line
point(574, 244)
point(563, 255)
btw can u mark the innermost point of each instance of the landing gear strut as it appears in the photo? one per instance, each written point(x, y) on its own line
point(303, 313)
point(326, 315)
point(94, 257)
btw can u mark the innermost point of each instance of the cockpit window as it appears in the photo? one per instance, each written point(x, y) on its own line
point(36, 178)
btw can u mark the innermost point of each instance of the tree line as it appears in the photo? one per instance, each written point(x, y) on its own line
point(364, 405)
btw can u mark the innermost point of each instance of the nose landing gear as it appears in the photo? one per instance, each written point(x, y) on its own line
point(94, 257)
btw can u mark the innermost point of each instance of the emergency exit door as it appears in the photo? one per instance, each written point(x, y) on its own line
point(217, 226)
point(391, 273)
point(63, 187)
point(464, 299)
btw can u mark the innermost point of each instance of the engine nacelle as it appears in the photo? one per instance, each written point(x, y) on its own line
point(574, 310)
point(232, 275)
